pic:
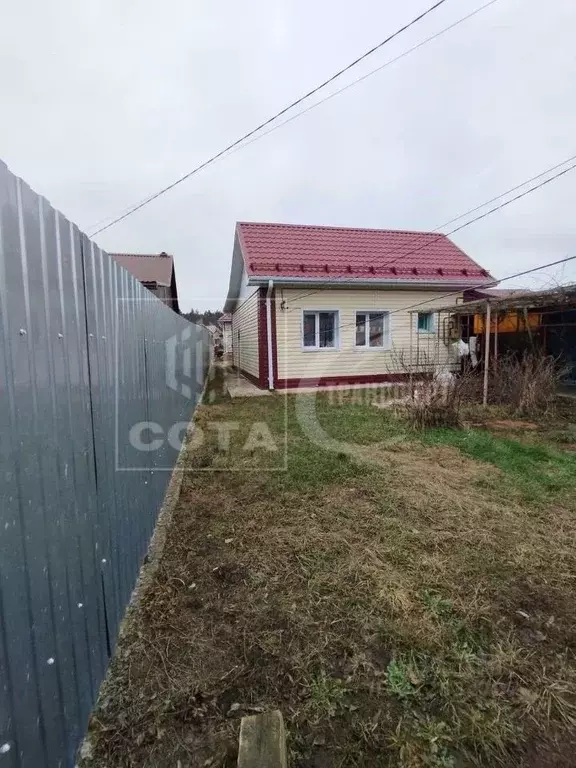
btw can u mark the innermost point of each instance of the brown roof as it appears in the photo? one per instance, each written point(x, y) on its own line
point(502, 293)
point(147, 267)
point(564, 295)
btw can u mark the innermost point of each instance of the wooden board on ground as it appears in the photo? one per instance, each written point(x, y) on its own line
point(262, 741)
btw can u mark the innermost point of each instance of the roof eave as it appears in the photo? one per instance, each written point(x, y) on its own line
point(354, 282)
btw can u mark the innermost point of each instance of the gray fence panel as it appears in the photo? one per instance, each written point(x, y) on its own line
point(59, 507)
point(34, 449)
point(87, 354)
point(9, 757)
point(112, 506)
point(75, 450)
point(21, 722)
point(102, 581)
point(125, 492)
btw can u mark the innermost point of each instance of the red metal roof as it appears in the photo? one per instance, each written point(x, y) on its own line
point(288, 250)
point(147, 267)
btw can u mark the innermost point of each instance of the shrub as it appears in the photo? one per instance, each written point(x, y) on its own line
point(527, 383)
point(437, 401)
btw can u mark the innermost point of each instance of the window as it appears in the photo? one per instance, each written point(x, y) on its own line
point(320, 330)
point(373, 329)
point(425, 322)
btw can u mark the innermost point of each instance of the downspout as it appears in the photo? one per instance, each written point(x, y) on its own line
point(269, 334)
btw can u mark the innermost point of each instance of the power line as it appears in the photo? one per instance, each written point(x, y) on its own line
point(484, 285)
point(367, 75)
point(496, 208)
point(503, 194)
point(331, 96)
point(271, 119)
point(456, 293)
point(472, 221)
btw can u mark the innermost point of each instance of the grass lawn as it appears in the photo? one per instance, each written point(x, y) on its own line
point(405, 599)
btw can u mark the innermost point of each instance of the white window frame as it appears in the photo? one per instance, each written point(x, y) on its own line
point(430, 312)
point(387, 341)
point(316, 347)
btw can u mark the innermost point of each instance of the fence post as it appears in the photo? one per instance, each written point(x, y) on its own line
point(486, 353)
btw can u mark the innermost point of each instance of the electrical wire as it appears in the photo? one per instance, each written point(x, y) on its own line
point(503, 194)
point(468, 223)
point(283, 111)
point(331, 96)
point(485, 285)
point(456, 293)
point(366, 76)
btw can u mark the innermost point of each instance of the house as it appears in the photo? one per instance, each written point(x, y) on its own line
point(226, 325)
point(155, 271)
point(215, 332)
point(315, 305)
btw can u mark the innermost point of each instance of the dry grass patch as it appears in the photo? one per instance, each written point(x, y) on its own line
point(406, 606)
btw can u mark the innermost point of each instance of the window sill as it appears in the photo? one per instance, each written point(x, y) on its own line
point(320, 349)
point(372, 349)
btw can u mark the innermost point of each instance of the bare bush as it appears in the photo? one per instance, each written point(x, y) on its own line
point(437, 393)
point(438, 402)
point(528, 382)
point(431, 410)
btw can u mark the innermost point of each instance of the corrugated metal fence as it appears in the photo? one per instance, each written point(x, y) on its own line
point(97, 379)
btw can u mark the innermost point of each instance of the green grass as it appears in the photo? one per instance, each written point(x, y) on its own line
point(361, 423)
point(402, 678)
point(436, 604)
point(326, 695)
point(538, 471)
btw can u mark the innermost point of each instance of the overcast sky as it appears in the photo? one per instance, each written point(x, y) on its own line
point(104, 101)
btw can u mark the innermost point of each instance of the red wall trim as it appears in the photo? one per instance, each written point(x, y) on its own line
point(274, 339)
point(262, 346)
point(326, 381)
point(341, 381)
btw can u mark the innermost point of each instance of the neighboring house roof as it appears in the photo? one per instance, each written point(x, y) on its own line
point(493, 293)
point(151, 269)
point(148, 267)
point(326, 253)
point(561, 298)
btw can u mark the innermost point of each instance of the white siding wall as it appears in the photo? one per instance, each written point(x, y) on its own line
point(347, 360)
point(245, 323)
